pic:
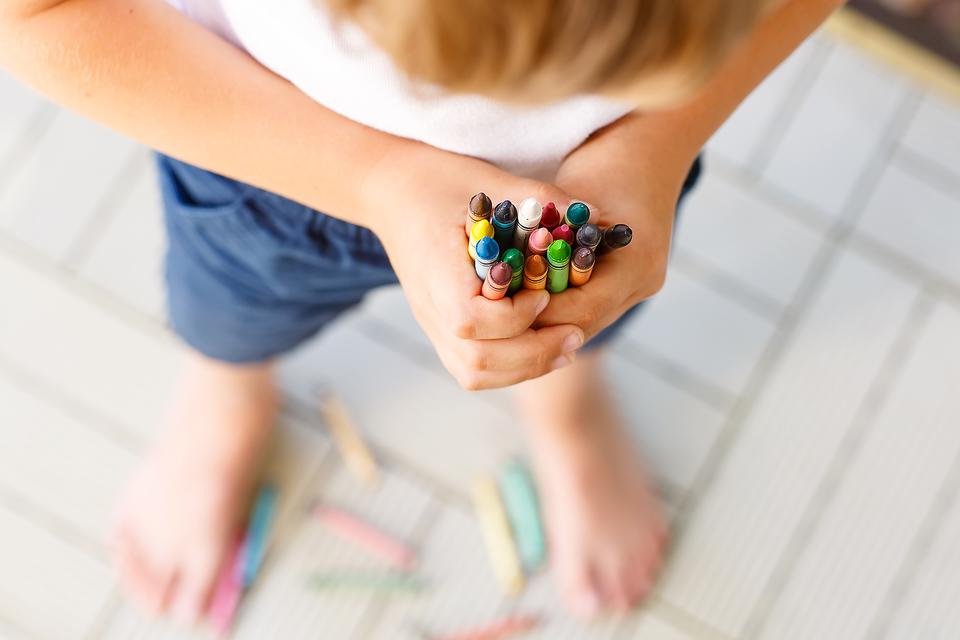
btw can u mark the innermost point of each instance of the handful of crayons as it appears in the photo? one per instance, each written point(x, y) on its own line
point(533, 247)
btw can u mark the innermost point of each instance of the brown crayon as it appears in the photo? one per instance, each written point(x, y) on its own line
point(480, 208)
point(581, 266)
point(535, 273)
point(497, 281)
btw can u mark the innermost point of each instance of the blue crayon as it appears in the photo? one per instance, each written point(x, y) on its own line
point(487, 253)
point(504, 222)
point(255, 544)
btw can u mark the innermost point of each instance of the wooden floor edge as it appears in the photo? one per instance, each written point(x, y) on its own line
point(893, 49)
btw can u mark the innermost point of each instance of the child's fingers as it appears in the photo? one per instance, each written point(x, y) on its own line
point(497, 319)
point(498, 363)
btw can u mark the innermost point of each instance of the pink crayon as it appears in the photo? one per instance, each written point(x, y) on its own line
point(228, 593)
point(349, 526)
point(565, 233)
point(538, 242)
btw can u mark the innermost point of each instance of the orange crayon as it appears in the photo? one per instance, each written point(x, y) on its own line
point(581, 266)
point(535, 273)
point(497, 281)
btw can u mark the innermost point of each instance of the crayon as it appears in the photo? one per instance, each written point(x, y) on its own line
point(581, 266)
point(514, 258)
point(496, 533)
point(550, 218)
point(255, 541)
point(481, 229)
point(528, 219)
point(497, 280)
point(478, 209)
point(353, 449)
point(615, 237)
point(487, 253)
point(563, 232)
point(367, 581)
point(523, 509)
point(227, 594)
point(577, 215)
point(589, 236)
point(499, 630)
point(558, 261)
point(535, 273)
point(395, 553)
point(538, 242)
point(504, 221)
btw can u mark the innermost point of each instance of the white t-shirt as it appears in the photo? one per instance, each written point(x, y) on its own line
point(341, 69)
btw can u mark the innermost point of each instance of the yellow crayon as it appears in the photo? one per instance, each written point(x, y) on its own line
point(354, 450)
point(496, 533)
point(480, 229)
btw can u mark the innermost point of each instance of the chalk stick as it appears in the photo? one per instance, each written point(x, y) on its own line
point(356, 454)
point(523, 511)
point(496, 630)
point(366, 581)
point(394, 552)
point(496, 534)
point(255, 541)
point(227, 594)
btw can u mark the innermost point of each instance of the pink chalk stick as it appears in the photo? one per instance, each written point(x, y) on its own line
point(229, 591)
point(349, 526)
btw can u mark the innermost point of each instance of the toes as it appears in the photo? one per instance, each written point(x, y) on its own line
point(149, 588)
point(195, 586)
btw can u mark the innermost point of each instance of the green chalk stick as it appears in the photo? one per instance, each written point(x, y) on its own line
point(523, 510)
point(366, 581)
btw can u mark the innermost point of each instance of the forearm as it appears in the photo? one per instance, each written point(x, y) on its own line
point(142, 68)
point(664, 143)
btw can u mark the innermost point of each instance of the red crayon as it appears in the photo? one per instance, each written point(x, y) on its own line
point(550, 217)
point(565, 233)
point(497, 281)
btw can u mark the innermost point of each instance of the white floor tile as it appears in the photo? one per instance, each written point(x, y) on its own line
point(747, 131)
point(62, 183)
point(736, 535)
point(864, 535)
point(464, 594)
point(540, 598)
point(20, 104)
point(929, 609)
point(916, 219)
point(46, 587)
point(416, 412)
point(653, 628)
point(838, 128)
point(59, 463)
point(934, 133)
point(83, 350)
point(701, 331)
point(674, 429)
point(127, 257)
point(728, 228)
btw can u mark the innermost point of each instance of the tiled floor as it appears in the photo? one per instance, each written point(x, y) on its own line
point(793, 385)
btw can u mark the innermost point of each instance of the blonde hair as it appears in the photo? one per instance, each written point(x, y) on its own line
point(540, 50)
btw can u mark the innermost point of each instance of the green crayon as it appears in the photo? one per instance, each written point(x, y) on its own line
point(514, 258)
point(558, 266)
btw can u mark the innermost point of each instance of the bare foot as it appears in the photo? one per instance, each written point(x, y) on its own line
point(605, 529)
point(181, 510)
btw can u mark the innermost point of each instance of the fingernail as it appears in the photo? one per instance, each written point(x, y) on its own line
point(544, 301)
point(572, 342)
point(560, 362)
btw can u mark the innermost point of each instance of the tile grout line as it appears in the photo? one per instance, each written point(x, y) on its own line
point(927, 170)
point(903, 265)
point(789, 106)
point(918, 552)
point(22, 149)
point(822, 265)
point(105, 211)
point(742, 294)
point(826, 489)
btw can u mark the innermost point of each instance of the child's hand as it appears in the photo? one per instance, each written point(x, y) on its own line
point(483, 343)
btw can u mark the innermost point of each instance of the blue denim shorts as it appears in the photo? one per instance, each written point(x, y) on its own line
point(251, 275)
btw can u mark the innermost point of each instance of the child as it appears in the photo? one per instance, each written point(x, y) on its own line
point(388, 115)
